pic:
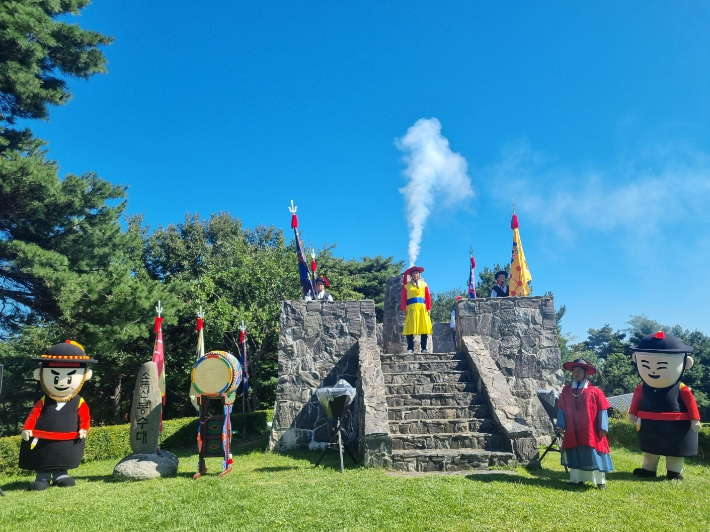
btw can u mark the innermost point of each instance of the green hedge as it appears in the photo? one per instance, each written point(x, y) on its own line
point(623, 434)
point(113, 441)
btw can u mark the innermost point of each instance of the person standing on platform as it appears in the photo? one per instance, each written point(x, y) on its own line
point(582, 417)
point(500, 289)
point(452, 323)
point(416, 302)
point(321, 294)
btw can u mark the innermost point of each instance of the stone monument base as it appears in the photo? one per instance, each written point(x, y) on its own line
point(146, 466)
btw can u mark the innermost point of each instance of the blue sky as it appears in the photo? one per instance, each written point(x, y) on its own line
point(593, 116)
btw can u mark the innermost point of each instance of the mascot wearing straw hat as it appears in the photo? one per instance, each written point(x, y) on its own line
point(54, 434)
point(582, 416)
point(416, 302)
point(663, 408)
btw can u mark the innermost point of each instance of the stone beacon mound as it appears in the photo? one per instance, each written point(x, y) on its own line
point(472, 405)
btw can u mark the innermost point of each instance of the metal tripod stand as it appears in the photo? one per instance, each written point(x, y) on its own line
point(338, 433)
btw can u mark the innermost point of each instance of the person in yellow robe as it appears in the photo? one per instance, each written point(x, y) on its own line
point(416, 302)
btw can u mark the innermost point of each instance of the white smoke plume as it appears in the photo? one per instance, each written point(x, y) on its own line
point(436, 176)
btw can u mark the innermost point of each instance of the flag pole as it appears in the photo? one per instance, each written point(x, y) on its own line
point(245, 388)
point(310, 288)
point(159, 357)
point(472, 275)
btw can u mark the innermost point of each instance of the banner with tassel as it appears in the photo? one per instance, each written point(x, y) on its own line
point(159, 356)
point(520, 277)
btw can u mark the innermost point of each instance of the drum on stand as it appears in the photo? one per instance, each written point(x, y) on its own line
point(216, 374)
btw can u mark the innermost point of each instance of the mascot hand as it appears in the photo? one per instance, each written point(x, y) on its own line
point(82, 433)
point(695, 425)
point(26, 435)
point(632, 418)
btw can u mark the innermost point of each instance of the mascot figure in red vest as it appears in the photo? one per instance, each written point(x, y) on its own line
point(54, 434)
point(663, 408)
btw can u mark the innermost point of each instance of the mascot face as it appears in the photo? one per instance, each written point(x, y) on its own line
point(661, 370)
point(62, 382)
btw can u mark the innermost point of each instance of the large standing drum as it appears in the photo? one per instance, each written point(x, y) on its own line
point(217, 373)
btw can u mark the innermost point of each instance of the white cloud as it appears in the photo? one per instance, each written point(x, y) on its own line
point(664, 184)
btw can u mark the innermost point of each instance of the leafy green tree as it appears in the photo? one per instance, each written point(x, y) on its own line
point(605, 341)
point(619, 375)
point(68, 270)
point(39, 49)
point(236, 275)
point(640, 326)
point(358, 279)
point(442, 303)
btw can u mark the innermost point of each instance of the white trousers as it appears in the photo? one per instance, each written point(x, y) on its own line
point(579, 475)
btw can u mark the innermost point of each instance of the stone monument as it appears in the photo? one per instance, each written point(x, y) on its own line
point(147, 460)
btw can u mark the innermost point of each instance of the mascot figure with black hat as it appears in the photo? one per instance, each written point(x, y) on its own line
point(663, 408)
point(582, 416)
point(53, 436)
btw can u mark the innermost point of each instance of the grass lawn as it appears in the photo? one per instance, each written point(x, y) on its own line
point(275, 492)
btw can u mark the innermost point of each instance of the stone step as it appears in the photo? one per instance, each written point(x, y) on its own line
point(458, 440)
point(400, 413)
point(448, 459)
point(432, 387)
point(435, 399)
point(423, 377)
point(441, 426)
point(424, 365)
point(423, 357)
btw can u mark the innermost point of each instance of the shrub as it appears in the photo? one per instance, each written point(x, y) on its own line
point(622, 433)
point(113, 441)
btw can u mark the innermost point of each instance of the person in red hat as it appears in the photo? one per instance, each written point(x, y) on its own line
point(54, 434)
point(582, 417)
point(416, 302)
point(321, 294)
point(663, 408)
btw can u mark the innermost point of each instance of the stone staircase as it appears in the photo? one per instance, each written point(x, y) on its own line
point(437, 420)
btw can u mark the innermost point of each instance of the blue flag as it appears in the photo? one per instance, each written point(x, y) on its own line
point(306, 284)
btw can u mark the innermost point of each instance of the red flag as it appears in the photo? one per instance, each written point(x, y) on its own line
point(159, 359)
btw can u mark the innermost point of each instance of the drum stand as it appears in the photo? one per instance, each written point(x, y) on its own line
point(556, 441)
point(207, 436)
point(338, 433)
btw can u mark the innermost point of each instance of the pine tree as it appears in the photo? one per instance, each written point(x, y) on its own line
point(38, 50)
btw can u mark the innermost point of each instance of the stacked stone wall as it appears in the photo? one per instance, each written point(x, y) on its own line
point(319, 343)
point(520, 336)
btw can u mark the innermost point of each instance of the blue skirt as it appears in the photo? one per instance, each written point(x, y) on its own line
point(586, 459)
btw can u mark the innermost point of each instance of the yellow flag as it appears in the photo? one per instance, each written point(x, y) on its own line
point(519, 273)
